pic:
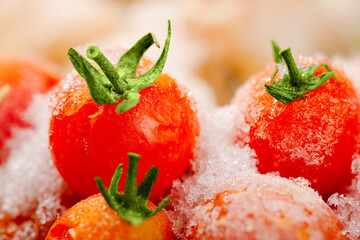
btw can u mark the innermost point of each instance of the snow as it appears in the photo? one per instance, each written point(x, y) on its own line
point(30, 196)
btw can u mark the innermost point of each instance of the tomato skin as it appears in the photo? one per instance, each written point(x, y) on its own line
point(24, 78)
point(92, 218)
point(256, 206)
point(316, 137)
point(89, 140)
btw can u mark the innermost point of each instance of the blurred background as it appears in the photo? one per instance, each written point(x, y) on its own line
point(216, 44)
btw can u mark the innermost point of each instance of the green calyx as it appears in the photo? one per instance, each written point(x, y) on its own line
point(296, 82)
point(119, 82)
point(276, 50)
point(131, 206)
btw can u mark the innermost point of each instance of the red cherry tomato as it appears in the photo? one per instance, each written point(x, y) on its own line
point(20, 79)
point(92, 218)
point(112, 215)
point(315, 136)
point(88, 139)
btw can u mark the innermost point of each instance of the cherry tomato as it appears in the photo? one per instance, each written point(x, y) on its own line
point(92, 218)
point(111, 215)
point(20, 79)
point(258, 206)
point(315, 136)
point(88, 139)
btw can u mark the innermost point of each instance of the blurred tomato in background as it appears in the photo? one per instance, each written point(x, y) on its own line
point(221, 42)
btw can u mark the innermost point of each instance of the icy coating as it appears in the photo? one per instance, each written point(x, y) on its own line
point(254, 206)
point(30, 195)
point(347, 206)
point(217, 161)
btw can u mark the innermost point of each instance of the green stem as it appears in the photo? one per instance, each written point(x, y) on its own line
point(145, 80)
point(129, 61)
point(276, 52)
point(119, 82)
point(273, 76)
point(130, 101)
point(113, 189)
point(130, 185)
point(161, 206)
point(104, 191)
point(132, 205)
point(94, 53)
point(147, 184)
point(296, 82)
point(294, 72)
point(95, 80)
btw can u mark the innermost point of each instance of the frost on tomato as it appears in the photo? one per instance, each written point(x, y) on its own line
point(89, 139)
point(314, 136)
point(20, 79)
point(255, 206)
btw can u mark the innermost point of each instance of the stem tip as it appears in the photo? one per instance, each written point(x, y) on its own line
point(93, 52)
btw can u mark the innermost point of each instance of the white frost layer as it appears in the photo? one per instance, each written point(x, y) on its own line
point(347, 206)
point(257, 206)
point(31, 185)
point(218, 160)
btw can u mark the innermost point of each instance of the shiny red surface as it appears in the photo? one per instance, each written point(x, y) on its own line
point(315, 137)
point(89, 140)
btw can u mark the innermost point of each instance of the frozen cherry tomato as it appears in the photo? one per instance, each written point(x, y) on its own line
point(112, 216)
point(260, 207)
point(96, 122)
point(20, 79)
point(302, 121)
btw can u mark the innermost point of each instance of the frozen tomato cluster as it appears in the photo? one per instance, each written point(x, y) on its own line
point(259, 168)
